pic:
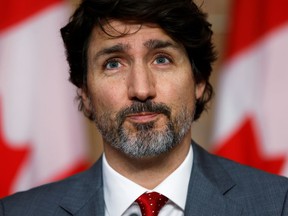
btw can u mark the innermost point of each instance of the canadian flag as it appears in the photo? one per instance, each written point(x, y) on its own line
point(41, 132)
point(251, 124)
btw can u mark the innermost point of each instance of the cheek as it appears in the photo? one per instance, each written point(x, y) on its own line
point(106, 98)
point(180, 91)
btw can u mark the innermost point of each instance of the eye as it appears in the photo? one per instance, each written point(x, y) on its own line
point(162, 60)
point(112, 64)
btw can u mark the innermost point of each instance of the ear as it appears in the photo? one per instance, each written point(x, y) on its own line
point(199, 89)
point(85, 100)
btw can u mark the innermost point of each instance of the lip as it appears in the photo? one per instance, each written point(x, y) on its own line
point(143, 117)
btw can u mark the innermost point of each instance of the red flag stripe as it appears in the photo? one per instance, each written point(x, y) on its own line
point(15, 156)
point(244, 147)
point(251, 20)
point(247, 129)
point(15, 11)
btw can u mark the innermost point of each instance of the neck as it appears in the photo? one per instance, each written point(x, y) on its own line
point(148, 172)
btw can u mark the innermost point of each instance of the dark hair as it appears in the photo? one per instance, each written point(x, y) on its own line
point(182, 20)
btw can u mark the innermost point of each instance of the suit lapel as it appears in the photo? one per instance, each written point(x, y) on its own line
point(86, 196)
point(209, 184)
point(207, 193)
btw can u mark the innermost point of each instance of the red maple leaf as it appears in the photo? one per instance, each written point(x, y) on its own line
point(11, 159)
point(244, 147)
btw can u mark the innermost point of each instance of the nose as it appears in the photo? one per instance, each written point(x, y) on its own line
point(141, 83)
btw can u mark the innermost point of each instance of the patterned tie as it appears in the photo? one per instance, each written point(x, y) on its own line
point(151, 203)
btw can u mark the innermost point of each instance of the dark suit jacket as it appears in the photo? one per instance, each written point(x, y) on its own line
point(217, 187)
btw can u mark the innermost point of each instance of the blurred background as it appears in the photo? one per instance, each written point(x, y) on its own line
point(44, 138)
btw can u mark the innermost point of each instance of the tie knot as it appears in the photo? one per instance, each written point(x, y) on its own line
point(151, 203)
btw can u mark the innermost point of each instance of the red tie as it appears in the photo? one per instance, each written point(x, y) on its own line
point(151, 203)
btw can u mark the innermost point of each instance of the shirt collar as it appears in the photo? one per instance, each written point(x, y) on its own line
point(115, 185)
point(180, 181)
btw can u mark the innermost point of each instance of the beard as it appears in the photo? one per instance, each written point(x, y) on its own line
point(145, 140)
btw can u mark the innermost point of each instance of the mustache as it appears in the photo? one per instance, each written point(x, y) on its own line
point(138, 107)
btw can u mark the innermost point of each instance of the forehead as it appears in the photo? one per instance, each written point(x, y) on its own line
point(117, 31)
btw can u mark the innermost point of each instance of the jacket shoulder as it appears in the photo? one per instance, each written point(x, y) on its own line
point(46, 199)
point(258, 192)
point(239, 173)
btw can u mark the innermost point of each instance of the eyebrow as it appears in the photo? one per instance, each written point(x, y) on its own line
point(159, 44)
point(113, 49)
point(150, 44)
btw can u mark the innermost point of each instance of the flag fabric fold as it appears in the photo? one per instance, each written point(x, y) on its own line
point(251, 106)
point(41, 132)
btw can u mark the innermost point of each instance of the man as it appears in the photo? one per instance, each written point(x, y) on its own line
point(142, 68)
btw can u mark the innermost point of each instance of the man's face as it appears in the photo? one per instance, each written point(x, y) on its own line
point(140, 88)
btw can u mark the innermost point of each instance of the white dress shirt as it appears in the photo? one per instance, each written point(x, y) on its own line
point(120, 193)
